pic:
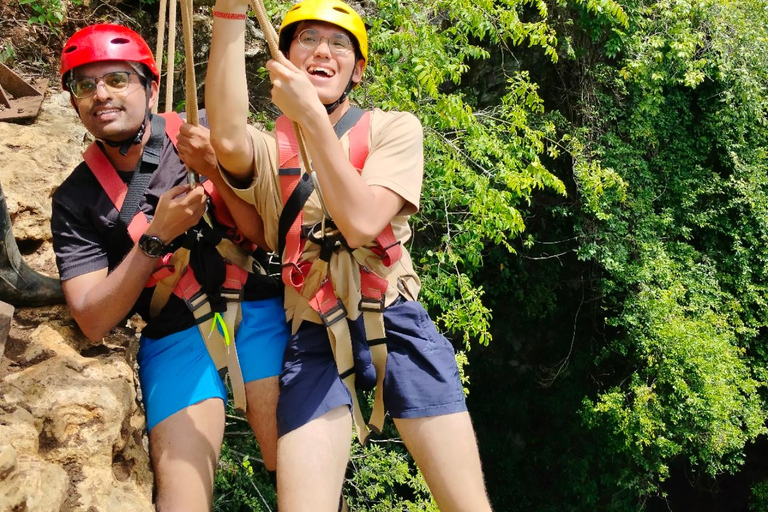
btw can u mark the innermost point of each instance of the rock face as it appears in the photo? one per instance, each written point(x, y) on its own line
point(72, 434)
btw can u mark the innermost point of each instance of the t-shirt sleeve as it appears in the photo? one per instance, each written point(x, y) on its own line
point(396, 158)
point(78, 246)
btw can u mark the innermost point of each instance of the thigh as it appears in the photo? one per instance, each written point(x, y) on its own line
point(445, 449)
point(311, 463)
point(261, 338)
point(175, 372)
point(261, 414)
point(422, 377)
point(309, 383)
point(184, 449)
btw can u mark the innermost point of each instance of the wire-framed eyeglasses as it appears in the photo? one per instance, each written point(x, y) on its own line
point(338, 43)
point(85, 86)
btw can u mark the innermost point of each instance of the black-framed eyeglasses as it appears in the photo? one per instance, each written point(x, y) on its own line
point(338, 43)
point(85, 86)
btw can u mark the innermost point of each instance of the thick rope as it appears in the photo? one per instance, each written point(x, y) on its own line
point(160, 43)
point(274, 49)
point(171, 56)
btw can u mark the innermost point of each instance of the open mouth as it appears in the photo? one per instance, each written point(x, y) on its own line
point(320, 71)
point(106, 112)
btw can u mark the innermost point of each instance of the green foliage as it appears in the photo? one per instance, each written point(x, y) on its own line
point(7, 53)
point(241, 482)
point(759, 499)
point(678, 240)
point(46, 12)
point(482, 162)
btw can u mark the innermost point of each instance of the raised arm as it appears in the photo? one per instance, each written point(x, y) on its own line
point(360, 211)
point(196, 151)
point(226, 90)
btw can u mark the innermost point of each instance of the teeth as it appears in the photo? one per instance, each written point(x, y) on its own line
point(321, 71)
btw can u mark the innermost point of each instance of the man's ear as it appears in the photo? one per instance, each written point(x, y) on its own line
point(153, 94)
point(357, 74)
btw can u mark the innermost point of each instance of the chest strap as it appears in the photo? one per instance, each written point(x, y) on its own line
point(312, 280)
point(173, 274)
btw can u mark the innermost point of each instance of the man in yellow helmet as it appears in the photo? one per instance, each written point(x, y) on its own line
point(340, 225)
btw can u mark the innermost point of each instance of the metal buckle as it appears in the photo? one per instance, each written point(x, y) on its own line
point(333, 315)
point(371, 304)
point(231, 294)
point(194, 303)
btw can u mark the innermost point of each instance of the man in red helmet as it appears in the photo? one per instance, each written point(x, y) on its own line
point(340, 225)
point(125, 223)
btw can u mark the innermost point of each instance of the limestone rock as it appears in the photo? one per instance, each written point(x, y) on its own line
point(72, 432)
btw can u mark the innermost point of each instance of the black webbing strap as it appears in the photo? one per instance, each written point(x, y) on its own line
point(150, 159)
point(304, 189)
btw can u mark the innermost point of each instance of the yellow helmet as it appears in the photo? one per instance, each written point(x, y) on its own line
point(335, 12)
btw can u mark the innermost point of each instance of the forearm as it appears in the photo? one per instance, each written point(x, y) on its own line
point(359, 211)
point(226, 91)
point(247, 219)
point(99, 301)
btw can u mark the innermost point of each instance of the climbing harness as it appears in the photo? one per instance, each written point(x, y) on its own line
point(312, 280)
point(216, 327)
point(174, 275)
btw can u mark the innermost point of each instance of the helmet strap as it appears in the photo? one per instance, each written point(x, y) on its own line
point(330, 107)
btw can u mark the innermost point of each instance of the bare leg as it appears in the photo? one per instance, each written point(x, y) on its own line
point(262, 397)
point(184, 449)
point(445, 449)
point(311, 462)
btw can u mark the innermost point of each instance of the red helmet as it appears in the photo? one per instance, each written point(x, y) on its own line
point(105, 42)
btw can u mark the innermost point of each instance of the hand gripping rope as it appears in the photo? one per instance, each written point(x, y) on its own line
point(217, 329)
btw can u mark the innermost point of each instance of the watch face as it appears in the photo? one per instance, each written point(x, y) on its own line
point(152, 246)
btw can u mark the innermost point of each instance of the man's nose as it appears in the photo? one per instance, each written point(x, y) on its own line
point(323, 47)
point(101, 90)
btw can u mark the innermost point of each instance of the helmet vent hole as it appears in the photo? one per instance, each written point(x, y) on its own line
point(343, 11)
point(119, 40)
point(70, 49)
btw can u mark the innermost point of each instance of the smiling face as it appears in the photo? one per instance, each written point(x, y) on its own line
point(329, 72)
point(108, 115)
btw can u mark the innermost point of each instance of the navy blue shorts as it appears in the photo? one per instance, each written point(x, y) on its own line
point(176, 371)
point(422, 378)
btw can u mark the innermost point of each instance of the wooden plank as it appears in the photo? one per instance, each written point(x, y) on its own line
point(14, 84)
point(4, 98)
point(25, 107)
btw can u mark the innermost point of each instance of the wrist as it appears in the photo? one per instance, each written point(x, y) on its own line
point(225, 8)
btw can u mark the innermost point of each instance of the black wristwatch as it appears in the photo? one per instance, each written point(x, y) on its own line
point(152, 246)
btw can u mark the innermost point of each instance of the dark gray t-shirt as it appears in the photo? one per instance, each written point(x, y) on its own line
point(87, 236)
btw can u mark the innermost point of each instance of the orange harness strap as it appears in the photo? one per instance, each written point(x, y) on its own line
point(319, 286)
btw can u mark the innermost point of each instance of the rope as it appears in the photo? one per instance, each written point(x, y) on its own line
point(191, 82)
point(170, 61)
point(274, 49)
point(160, 41)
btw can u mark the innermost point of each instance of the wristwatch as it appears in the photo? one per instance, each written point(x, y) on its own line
point(152, 246)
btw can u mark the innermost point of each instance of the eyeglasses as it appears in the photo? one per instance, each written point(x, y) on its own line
point(311, 39)
point(85, 86)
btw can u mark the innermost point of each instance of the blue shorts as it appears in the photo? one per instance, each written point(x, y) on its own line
point(422, 378)
point(176, 371)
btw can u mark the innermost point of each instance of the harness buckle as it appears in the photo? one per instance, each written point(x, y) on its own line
point(197, 300)
point(334, 314)
point(371, 304)
point(231, 294)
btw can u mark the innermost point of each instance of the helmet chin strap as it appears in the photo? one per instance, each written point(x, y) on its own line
point(126, 144)
point(330, 107)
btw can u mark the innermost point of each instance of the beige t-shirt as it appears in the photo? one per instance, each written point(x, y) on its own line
point(395, 161)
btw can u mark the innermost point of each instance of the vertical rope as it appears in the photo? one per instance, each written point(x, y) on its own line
point(171, 55)
point(189, 58)
point(160, 46)
point(274, 49)
point(191, 82)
